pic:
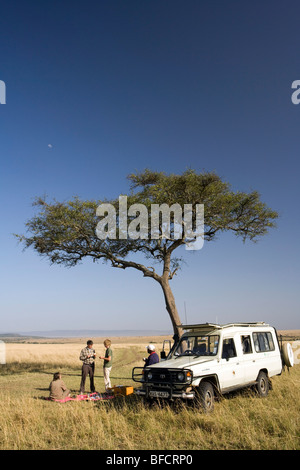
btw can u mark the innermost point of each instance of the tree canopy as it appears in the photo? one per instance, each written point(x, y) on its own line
point(65, 232)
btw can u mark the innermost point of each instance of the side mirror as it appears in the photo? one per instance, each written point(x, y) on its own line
point(163, 355)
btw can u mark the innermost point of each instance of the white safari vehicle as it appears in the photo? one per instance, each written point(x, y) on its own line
point(210, 360)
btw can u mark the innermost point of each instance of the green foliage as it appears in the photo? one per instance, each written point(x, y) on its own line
point(65, 231)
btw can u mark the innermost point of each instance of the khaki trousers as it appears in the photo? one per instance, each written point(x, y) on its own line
point(106, 373)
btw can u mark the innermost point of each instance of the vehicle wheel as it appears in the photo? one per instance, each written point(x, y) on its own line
point(288, 355)
point(262, 385)
point(206, 396)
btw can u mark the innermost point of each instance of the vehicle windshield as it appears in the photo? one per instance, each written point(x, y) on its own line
point(198, 346)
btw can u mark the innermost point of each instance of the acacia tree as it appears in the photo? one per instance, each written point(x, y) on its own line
point(65, 232)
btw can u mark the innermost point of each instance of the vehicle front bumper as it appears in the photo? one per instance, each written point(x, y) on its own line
point(165, 394)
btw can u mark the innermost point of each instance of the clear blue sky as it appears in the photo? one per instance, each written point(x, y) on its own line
point(118, 86)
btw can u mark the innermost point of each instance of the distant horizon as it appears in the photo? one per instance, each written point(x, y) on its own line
point(77, 333)
point(86, 332)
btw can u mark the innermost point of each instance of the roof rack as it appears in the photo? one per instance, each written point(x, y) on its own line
point(200, 325)
point(215, 326)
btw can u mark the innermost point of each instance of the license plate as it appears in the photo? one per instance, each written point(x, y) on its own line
point(158, 394)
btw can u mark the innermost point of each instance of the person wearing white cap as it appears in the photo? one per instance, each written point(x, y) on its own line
point(153, 356)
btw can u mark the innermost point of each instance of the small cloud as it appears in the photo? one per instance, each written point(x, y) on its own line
point(50, 146)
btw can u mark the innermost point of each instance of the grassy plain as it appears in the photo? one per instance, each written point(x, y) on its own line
point(240, 421)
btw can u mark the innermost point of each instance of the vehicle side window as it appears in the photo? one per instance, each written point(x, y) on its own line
point(263, 342)
point(246, 344)
point(228, 348)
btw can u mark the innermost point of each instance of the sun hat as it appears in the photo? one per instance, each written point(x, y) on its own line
point(151, 347)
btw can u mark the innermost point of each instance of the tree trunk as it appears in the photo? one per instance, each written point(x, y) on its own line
point(171, 307)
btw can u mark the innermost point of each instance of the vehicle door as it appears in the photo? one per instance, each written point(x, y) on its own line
point(249, 359)
point(231, 371)
point(267, 352)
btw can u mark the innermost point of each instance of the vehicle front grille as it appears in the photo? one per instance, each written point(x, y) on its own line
point(162, 376)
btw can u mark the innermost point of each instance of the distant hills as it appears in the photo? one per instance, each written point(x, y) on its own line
point(10, 335)
point(86, 333)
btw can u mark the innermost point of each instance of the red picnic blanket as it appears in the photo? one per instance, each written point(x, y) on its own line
point(86, 397)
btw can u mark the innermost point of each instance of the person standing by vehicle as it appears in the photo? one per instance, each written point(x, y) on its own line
point(153, 356)
point(87, 356)
point(107, 364)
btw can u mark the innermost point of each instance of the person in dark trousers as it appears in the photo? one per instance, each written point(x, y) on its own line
point(87, 356)
point(153, 356)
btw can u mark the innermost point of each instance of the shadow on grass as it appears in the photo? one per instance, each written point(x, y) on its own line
point(21, 368)
point(137, 404)
point(46, 368)
point(177, 406)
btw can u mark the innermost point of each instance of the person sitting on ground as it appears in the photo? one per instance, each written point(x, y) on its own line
point(58, 390)
point(153, 356)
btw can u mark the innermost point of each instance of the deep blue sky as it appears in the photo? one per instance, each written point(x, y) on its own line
point(118, 86)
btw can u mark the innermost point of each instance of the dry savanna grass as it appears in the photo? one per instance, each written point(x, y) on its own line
point(240, 420)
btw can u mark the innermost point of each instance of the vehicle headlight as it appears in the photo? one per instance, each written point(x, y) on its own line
point(149, 376)
point(181, 376)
